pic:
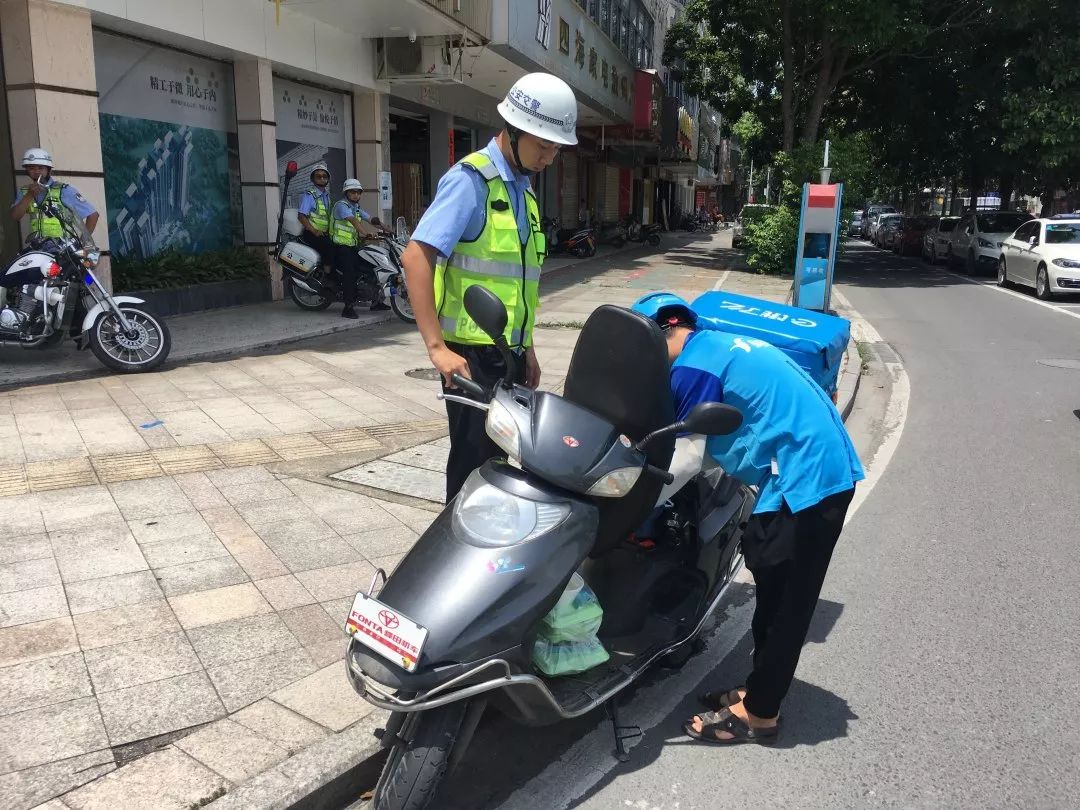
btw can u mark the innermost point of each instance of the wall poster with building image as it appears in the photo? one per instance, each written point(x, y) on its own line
point(169, 149)
point(314, 126)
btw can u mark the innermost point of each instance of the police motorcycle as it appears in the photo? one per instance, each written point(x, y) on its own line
point(314, 284)
point(56, 294)
point(452, 630)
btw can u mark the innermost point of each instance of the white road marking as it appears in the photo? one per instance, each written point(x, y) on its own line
point(895, 412)
point(992, 285)
point(589, 760)
point(723, 278)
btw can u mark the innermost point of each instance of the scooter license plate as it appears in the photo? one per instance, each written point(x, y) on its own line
point(386, 631)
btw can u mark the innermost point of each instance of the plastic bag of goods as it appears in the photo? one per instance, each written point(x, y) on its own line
point(567, 642)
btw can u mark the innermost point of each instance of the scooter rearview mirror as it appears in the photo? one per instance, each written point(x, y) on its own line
point(487, 310)
point(712, 419)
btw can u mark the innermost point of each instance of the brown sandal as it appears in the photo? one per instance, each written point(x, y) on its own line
point(712, 722)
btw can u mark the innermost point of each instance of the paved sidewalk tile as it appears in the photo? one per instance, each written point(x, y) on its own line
point(232, 750)
point(125, 623)
point(218, 605)
point(169, 527)
point(243, 682)
point(21, 515)
point(326, 698)
point(150, 498)
point(33, 786)
point(79, 507)
point(164, 780)
point(337, 581)
point(241, 639)
point(100, 549)
point(28, 574)
point(38, 604)
point(381, 542)
point(280, 725)
point(43, 683)
point(200, 576)
point(311, 625)
point(18, 548)
point(49, 733)
point(145, 660)
point(193, 548)
point(30, 642)
point(109, 592)
point(149, 709)
point(284, 592)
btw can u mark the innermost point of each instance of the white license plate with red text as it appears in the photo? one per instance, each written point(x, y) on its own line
point(384, 630)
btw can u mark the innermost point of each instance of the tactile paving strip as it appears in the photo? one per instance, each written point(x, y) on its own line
point(126, 467)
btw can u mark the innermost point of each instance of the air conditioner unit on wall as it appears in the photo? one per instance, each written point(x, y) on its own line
point(429, 60)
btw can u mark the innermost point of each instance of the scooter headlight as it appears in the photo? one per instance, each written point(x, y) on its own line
point(616, 483)
point(487, 516)
point(503, 430)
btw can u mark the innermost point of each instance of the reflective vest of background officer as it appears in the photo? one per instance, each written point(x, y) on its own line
point(314, 213)
point(38, 165)
point(348, 223)
point(483, 227)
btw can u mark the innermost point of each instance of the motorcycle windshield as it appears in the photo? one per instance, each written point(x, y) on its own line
point(76, 228)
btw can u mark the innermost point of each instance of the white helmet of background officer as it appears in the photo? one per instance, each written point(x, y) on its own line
point(352, 184)
point(37, 157)
point(320, 167)
point(542, 105)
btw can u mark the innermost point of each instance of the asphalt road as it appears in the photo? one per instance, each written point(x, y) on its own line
point(943, 666)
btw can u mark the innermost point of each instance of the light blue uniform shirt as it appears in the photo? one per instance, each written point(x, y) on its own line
point(792, 443)
point(70, 197)
point(343, 209)
point(307, 201)
point(459, 209)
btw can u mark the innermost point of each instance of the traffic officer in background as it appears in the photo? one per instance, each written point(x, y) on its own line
point(38, 164)
point(348, 223)
point(483, 227)
point(314, 213)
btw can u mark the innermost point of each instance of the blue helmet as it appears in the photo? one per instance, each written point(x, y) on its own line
point(665, 308)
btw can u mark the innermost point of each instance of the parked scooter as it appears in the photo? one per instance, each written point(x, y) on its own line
point(65, 299)
point(612, 233)
point(636, 232)
point(580, 241)
point(453, 629)
point(314, 284)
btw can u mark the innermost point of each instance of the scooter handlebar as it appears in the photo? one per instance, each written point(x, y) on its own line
point(469, 386)
point(662, 474)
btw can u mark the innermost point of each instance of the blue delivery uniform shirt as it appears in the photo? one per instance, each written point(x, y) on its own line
point(792, 444)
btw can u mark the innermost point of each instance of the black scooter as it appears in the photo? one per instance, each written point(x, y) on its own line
point(581, 241)
point(452, 631)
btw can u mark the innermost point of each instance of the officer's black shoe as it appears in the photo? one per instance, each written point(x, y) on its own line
point(379, 307)
point(349, 312)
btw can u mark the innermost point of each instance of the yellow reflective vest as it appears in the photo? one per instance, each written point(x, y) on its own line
point(498, 260)
point(45, 226)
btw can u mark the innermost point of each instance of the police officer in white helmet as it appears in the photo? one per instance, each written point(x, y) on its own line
point(38, 165)
point(462, 239)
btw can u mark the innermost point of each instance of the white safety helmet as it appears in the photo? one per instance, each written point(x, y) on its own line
point(542, 105)
point(352, 184)
point(37, 157)
point(319, 167)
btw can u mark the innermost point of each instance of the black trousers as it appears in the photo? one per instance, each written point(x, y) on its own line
point(788, 586)
point(348, 263)
point(470, 446)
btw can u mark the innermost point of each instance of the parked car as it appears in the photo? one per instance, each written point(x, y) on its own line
point(886, 227)
point(909, 236)
point(749, 214)
point(855, 227)
point(873, 217)
point(1044, 254)
point(935, 243)
point(977, 238)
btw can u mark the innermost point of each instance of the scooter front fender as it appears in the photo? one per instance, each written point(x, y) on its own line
point(99, 309)
point(477, 602)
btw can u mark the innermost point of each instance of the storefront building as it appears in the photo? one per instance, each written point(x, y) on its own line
point(177, 120)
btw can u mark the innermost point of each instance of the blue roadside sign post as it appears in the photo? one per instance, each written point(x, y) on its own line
point(819, 232)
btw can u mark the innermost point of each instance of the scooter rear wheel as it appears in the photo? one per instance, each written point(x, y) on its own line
point(312, 302)
point(417, 763)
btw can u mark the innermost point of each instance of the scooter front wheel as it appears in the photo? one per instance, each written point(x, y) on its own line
point(419, 759)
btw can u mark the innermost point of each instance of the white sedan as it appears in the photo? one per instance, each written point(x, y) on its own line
point(1044, 254)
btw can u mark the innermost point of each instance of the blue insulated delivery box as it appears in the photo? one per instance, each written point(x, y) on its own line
point(814, 340)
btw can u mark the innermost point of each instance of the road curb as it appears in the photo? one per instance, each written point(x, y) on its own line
point(848, 386)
